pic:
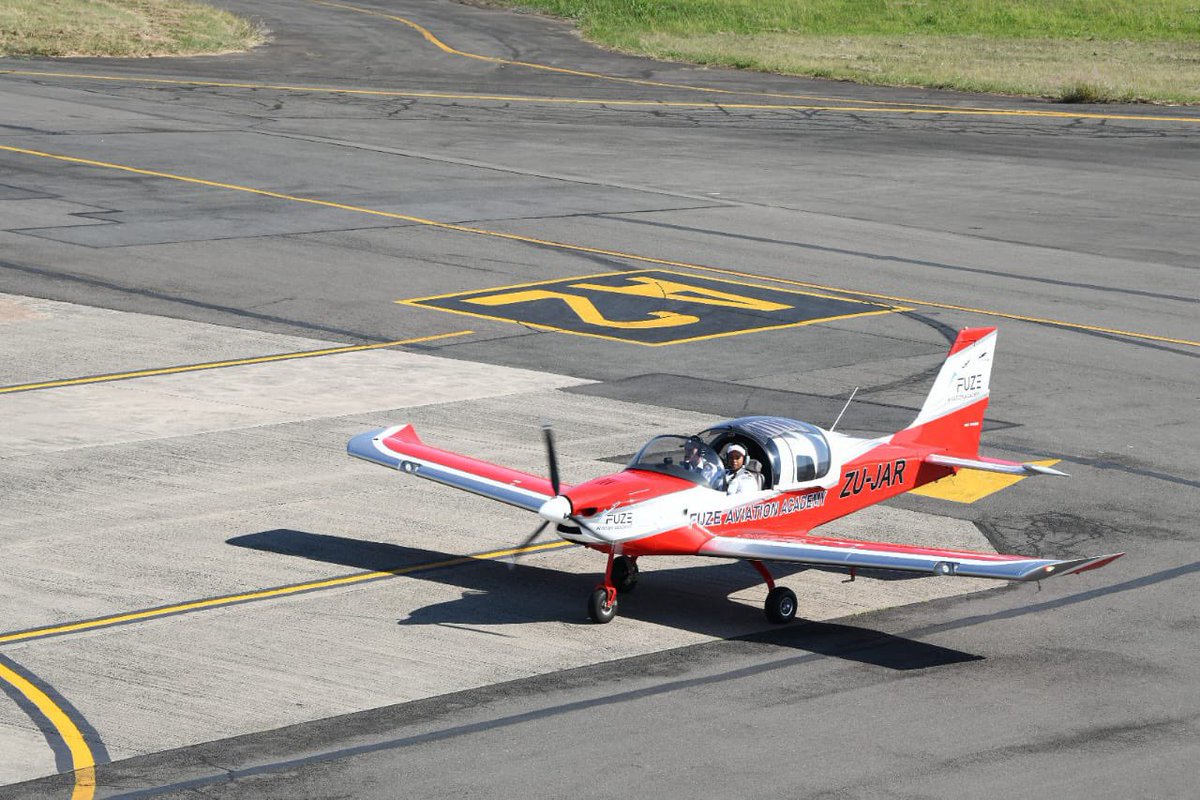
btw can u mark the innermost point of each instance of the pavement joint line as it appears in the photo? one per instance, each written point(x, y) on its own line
point(577, 248)
point(876, 104)
point(287, 590)
point(237, 362)
point(83, 760)
point(712, 105)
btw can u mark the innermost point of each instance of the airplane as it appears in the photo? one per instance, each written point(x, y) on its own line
point(674, 498)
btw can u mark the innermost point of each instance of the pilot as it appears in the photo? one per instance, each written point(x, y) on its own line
point(694, 460)
point(739, 478)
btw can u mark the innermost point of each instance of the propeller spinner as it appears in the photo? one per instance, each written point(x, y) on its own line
point(558, 508)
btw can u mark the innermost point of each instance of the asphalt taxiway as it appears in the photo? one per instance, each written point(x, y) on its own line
point(216, 270)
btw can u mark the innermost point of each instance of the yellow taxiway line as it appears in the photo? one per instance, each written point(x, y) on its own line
point(237, 362)
point(874, 105)
point(596, 101)
point(576, 248)
point(268, 594)
point(82, 758)
point(83, 761)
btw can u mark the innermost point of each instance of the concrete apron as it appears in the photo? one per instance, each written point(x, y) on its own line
point(161, 490)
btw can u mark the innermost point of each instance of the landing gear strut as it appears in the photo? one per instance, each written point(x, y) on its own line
point(602, 603)
point(781, 602)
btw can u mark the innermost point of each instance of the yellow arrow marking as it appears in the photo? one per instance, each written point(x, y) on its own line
point(586, 310)
point(643, 286)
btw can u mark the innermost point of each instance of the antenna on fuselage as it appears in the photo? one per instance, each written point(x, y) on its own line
point(839, 416)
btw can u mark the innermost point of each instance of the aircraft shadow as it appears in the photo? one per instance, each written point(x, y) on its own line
point(690, 598)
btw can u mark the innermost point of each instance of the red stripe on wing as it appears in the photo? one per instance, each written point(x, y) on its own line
point(405, 442)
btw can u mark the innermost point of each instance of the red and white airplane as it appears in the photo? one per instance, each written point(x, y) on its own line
point(674, 497)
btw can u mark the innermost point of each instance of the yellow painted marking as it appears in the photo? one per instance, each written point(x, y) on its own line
point(874, 104)
point(267, 594)
point(713, 105)
point(704, 337)
point(647, 286)
point(969, 485)
point(145, 373)
point(586, 310)
point(445, 48)
point(83, 763)
point(606, 252)
point(643, 286)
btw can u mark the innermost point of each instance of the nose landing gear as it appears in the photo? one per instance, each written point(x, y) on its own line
point(602, 603)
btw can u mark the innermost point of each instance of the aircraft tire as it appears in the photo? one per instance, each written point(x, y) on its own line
point(624, 574)
point(599, 609)
point(781, 605)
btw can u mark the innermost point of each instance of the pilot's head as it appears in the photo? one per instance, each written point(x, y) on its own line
point(691, 452)
point(735, 456)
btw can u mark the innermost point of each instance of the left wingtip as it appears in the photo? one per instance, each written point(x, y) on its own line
point(1040, 469)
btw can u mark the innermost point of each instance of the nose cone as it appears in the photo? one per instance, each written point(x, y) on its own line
point(555, 509)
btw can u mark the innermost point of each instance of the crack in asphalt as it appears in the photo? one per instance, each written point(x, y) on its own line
point(865, 642)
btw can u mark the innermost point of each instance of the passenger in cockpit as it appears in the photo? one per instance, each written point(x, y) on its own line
point(740, 479)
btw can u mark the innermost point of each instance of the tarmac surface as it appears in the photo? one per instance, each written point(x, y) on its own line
point(216, 270)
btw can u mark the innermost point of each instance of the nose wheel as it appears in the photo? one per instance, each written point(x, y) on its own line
point(620, 575)
point(602, 604)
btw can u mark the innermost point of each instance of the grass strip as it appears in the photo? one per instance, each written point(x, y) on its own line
point(1070, 50)
point(124, 28)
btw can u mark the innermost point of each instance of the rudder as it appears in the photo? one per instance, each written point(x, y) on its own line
point(952, 417)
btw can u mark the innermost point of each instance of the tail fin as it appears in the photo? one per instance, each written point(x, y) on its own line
point(952, 416)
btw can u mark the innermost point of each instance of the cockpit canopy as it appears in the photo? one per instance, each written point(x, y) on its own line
point(686, 457)
point(795, 451)
point(787, 451)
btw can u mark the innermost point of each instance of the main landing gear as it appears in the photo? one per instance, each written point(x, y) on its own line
point(621, 576)
point(781, 602)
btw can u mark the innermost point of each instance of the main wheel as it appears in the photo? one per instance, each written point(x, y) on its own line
point(624, 574)
point(599, 609)
point(781, 605)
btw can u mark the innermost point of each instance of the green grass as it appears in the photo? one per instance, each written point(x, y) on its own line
point(120, 28)
point(1073, 50)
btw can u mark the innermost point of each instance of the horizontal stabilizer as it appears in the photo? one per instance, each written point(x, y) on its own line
point(993, 465)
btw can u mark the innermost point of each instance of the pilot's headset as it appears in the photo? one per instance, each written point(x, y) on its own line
point(733, 448)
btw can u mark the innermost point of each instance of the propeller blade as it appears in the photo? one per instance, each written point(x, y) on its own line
point(550, 455)
point(512, 559)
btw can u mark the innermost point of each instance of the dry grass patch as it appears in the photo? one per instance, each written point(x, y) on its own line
point(121, 28)
point(1070, 71)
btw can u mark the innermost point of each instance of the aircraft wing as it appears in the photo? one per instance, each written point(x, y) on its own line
point(826, 551)
point(400, 448)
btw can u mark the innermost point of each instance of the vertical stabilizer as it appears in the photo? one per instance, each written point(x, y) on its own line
point(952, 416)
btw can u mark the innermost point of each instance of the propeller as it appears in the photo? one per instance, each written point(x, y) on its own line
point(557, 508)
point(512, 559)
